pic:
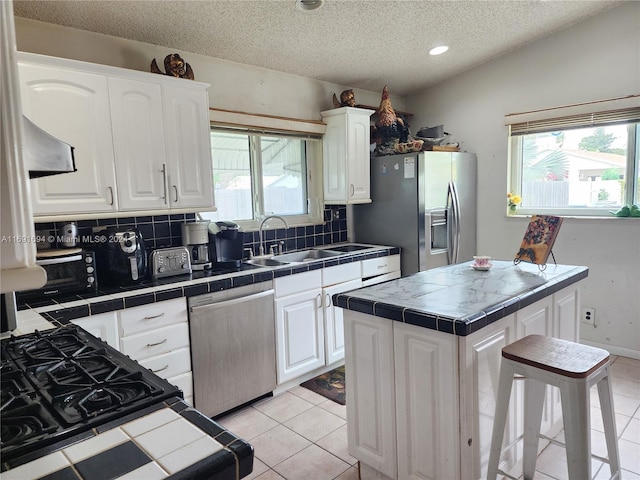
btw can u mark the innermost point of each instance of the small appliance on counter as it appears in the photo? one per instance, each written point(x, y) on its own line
point(167, 262)
point(226, 244)
point(121, 256)
point(195, 236)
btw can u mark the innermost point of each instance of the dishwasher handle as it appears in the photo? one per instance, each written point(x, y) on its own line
point(233, 301)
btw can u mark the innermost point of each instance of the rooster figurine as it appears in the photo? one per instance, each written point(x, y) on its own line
point(390, 128)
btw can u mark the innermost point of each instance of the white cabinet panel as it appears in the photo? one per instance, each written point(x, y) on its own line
point(334, 321)
point(103, 326)
point(340, 273)
point(151, 316)
point(380, 266)
point(138, 138)
point(155, 342)
point(169, 364)
point(299, 334)
point(73, 106)
point(297, 283)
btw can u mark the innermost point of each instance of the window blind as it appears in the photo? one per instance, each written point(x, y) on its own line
point(591, 114)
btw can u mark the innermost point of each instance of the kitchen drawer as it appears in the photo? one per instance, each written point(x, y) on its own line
point(152, 316)
point(103, 326)
point(378, 266)
point(341, 273)
point(297, 283)
point(185, 383)
point(381, 278)
point(156, 342)
point(169, 364)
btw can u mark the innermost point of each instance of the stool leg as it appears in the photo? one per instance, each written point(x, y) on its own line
point(577, 428)
point(608, 419)
point(500, 418)
point(534, 392)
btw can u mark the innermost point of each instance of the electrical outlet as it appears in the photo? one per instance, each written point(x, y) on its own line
point(589, 315)
point(336, 214)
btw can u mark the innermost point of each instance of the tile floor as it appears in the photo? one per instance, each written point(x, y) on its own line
point(300, 435)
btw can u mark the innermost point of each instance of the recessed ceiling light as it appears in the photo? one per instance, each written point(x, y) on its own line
point(309, 5)
point(438, 50)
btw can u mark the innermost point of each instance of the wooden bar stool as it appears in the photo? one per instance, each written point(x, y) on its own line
point(573, 368)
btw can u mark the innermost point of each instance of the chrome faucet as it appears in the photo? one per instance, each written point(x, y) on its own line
point(261, 248)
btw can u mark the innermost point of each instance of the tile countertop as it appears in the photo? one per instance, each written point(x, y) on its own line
point(54, 311)
point(458, 299)
point(166, 440)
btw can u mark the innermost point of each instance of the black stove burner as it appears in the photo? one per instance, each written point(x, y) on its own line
point(58, 383)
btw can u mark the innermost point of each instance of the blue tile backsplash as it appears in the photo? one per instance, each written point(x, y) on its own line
point(161, 231)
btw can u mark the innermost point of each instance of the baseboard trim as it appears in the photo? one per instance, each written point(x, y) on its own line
point(614, 350)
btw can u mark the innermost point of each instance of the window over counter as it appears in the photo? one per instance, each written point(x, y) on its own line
point(580, 160)
point(263, 173)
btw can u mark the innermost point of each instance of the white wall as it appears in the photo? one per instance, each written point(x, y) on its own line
point(234, 86)
point(596, 59)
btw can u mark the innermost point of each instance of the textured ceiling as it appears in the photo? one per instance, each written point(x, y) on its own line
point(358, 43)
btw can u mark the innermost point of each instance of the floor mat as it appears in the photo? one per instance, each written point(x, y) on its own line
point(329, 385)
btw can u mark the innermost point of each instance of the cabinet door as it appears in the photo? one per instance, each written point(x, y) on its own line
point(426, 368)
point(138, 142)
point(358, 163)
point(334, 321)
point(334, 161)
point(299, 334)
point(480, 358)
point(188, 145)
point(103, 326)
point(370, 380)
point(73, 106)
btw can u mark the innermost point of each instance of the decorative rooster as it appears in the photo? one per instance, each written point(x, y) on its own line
point(390, 128)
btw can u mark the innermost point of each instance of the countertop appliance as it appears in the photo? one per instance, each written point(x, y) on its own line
point(424, 203)
point(59, 383)
point(69, 270)
point(195, 236)
point(121, 256)
point(167, 262)
point(226, 244)
point(233, 352)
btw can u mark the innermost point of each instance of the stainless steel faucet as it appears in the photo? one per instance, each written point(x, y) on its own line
point(261, 248)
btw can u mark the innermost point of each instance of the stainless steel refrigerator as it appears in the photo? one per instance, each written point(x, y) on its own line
point(424, 203)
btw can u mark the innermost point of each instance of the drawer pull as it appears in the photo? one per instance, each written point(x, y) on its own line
point(160, 369)
point(157, 343)
point(382, 266)
point(154, 316)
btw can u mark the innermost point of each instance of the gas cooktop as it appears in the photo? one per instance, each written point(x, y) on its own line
point(59, 383)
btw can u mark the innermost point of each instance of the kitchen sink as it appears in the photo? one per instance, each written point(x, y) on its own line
point(266, 262)
point(305, 255)
point(349, 248)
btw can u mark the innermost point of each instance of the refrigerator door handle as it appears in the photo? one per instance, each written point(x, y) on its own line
point(453, 222)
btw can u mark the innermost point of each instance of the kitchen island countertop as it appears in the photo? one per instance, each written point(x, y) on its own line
point(458, 299)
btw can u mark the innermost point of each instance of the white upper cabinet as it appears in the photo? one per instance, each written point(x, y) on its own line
point(141, 140)
point(346, 163)
point(73, 106)
point(188, 144)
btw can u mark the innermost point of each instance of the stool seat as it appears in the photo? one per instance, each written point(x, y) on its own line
point(561, 357)
point(574, 369)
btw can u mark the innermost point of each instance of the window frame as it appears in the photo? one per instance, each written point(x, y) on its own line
point(315, 199)
point(624, 110)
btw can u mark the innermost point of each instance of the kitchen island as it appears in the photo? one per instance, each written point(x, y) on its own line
point(423, 357)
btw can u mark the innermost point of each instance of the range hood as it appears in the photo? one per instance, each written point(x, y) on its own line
point(44, 154)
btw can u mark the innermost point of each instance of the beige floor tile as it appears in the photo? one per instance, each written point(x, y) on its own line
point(278, 444)
point(350, 474)
point(247, 423)
point(307, 395)
point(336, 443)
point(596, 421)
point(312, 463)
point(335, 408)
point(628, 371)
point(315, 423)
point(258, 469)
point(270, 475)
point(622, 386)
point(629, 456)
point(622, 404)
point(553, 462)
point(283, 407)
point(628, 361)
point(632, 432)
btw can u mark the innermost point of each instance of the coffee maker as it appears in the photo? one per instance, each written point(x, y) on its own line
point(195, 236)
point(226, 245)
point(121, 256)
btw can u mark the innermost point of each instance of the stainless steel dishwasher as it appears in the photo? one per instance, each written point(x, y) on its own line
point(233, 348)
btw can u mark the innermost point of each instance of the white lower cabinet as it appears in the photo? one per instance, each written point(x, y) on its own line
point(334, 321)
point(420, 403)
point(103, 326)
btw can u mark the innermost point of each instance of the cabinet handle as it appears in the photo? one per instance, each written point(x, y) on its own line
point(328, 300)
point(319, 301)
point(352, 190)
point(160, 369)
point(176, 190)
point(382, 266)
point(164, 182)
point(157, 343)
point(154, 316)
point(111, 195)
